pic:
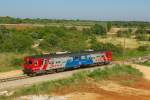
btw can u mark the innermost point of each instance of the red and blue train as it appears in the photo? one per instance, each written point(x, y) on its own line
point(50, 63)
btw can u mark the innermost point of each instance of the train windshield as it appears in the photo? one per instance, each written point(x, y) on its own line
point(29, 62)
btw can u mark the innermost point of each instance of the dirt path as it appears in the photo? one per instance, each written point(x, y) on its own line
point(121, 89)
point(10, 74)
point(144, 69)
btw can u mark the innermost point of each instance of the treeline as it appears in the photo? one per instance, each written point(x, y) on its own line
point(11, 20)
point(139, 34)
point(139, 24)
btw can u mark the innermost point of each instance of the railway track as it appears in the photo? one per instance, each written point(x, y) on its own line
point(13, 78)
point(25, 76)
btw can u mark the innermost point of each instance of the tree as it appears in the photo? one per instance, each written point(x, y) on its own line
point(124, 33)
point(98, 29)
point(50, 41)
point(109, 25)
point(142, 37)
point(17, 42)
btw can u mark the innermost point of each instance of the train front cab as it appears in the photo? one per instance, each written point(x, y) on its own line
point(32, 66)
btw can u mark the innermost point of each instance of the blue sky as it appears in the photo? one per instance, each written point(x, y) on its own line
point(77, 9)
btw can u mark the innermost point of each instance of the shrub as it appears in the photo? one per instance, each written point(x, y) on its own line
point(123, 34)
point(98, 29)
point(17, 62)
point(109, 26)
point(106, 46)
point(142, 37)
point(149, 38)
point(16, 42)
point(50, 42)
point(143, 48)
point(115, 71)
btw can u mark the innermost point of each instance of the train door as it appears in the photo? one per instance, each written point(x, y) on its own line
point(44, 65)
point(50, 64)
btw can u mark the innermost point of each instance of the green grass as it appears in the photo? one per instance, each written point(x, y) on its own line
point(8, 61)
point(130, 54)
point(9, 68)
point(77, 79)
point(145, 64)
point(116, 71)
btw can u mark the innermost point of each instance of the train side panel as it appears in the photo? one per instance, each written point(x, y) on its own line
point(56, 63)
point(42, 65)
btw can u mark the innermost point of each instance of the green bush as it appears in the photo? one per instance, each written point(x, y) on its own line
point(142, 37)
point(143, 48)
point(17, 62)
point(118, 70)
point(98, 29)
point(149, 38)
point(70, 41)
point(145, 64)
point(106, 46)
point(15, 42)
point(123, 34)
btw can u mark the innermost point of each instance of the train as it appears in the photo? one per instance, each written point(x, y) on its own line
point(58, 62)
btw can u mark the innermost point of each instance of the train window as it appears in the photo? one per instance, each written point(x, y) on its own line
point(35, 63)
point(88, 56)
point(29, 62)
point(57, 62)
point(52, 62)
point(83, 57)
point(76, 58)
point(71, 59)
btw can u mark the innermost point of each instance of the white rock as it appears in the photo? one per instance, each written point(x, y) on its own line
point(42, 97)
point(3, 93)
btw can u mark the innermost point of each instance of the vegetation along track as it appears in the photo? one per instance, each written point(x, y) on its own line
point(20, 77)
point(26, 81)
point(133, 60)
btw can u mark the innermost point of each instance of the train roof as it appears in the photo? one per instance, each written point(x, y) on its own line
point(54, 55)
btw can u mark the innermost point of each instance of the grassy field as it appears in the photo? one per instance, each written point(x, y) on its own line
point(9, 61)
point(130, 54)
point(129, 42)
point(80, 77)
